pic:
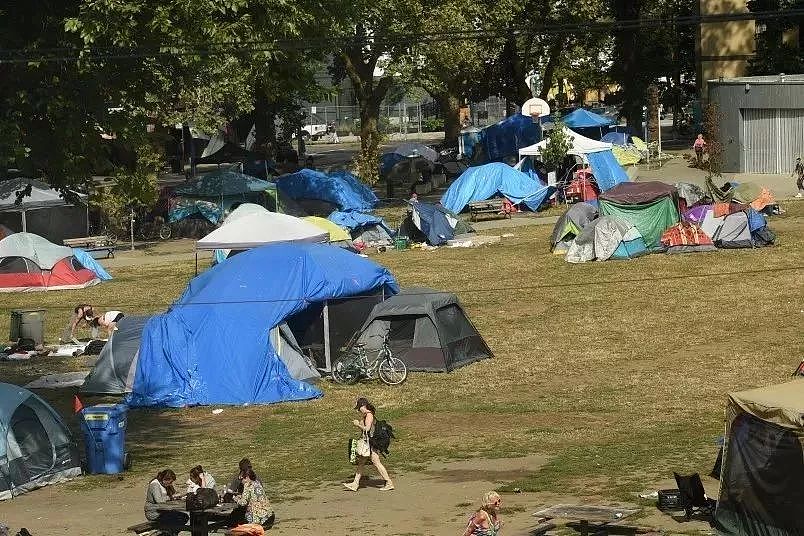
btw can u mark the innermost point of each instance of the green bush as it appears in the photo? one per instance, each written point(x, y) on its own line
point(432, 124)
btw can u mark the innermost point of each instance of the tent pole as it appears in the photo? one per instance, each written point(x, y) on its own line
point(24, 223)
point(327, 355)
point(196, 262)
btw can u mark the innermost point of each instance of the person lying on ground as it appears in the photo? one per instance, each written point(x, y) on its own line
point(486, 521)
point(108, 320)
point(199, 479)
point(258, 507)
point(160, 491)
point(82, 313)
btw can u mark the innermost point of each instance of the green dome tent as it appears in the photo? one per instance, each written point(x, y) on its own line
point(651, 207)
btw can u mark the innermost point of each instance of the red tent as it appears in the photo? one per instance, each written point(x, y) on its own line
point(28, 262)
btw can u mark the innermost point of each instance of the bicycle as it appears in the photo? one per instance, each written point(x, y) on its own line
point(355, 365)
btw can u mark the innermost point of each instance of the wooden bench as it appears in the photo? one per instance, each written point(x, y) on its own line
point(490, 206)
point(100, 246)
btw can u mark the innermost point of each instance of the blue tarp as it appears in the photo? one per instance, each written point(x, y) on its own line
point(212, 346)
point(582, 118)
point(388, 161)
point(484, 182)
point(508, 136)
point(432, 222)
point(607, 171)
point(617, 138)
point(188, 207)
point(340, 188)
point(755, 220)
point(89, 262)
point(353, 220)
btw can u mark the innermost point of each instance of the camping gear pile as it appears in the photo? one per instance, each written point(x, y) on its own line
point(633, 219)
point(340, 197)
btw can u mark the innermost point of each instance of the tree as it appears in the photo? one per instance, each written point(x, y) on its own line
point(627, 67)
point(780, 42)
point(558, 144)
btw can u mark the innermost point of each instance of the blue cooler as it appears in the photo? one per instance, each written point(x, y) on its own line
point(104, 427)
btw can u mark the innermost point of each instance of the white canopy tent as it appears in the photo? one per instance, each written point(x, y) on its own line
point(581, 146)
point(41, 197)
point(250, 226)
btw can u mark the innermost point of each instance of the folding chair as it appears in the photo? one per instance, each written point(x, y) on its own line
point(693, 496)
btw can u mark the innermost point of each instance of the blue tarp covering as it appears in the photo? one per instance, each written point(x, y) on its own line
point(433, 223)
point(484, 182)
point(582, 118)
point(388, 161)
point(89, 262)
point(607, 171)
point(353, 220)
point(188, 207)
point(212, 346)
point(508, 136)
point(339, 188)
point(617, 138)
point(755, 220)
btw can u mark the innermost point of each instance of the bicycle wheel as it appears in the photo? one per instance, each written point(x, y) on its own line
point(165, 232)
point(392, 370)
point(346, 372)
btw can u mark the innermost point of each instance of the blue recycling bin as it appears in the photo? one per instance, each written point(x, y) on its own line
point(104, 428)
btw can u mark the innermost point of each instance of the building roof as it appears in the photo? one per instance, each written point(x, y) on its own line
point(768, 79)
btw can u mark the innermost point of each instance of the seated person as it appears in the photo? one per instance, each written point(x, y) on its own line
point(82, 312)
point(238, 516)
point(108, 320)
point(258, 507)
point(199, 479)
point(160, 491)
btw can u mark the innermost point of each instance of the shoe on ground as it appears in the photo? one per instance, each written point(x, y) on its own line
point(351, 486)
point(387, 487)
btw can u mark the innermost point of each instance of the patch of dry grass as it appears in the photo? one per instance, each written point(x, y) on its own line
point(617, 370)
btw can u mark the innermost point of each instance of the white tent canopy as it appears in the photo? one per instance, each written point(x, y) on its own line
point(250, 226)
point(581, 145)
point(42, 196)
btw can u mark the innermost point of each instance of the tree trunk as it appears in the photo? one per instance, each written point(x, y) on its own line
point(626, 46)
point(264, 121)
point(450, 106)
point(369, 123)
point(550, 69)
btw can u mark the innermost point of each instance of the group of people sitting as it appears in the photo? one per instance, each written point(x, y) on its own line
point(245, 489)
point(84, 313)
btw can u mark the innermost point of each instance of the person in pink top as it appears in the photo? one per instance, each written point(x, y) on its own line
point(699, 145)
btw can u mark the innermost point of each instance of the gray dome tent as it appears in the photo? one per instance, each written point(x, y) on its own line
point(427, 329)
point(36, 448)
point(114, 372)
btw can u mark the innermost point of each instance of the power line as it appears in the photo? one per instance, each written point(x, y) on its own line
point(69, 54)
point(521, 288)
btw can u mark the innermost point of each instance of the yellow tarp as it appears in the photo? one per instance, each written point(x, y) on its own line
point(626, 156)
point(336, 232)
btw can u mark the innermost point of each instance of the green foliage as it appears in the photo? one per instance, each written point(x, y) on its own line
point(778, 47)
point(558, 144)
point(365, 164)
point(432, 124)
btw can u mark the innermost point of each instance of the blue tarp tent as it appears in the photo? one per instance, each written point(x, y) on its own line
point(607, 171)
point(212, 346)
point(617, 138)
point(339, 188)
point(507, 137)
point(433, 221)
point(483, 182)
point(582, 118)
point(353, 220)
point(89, 262)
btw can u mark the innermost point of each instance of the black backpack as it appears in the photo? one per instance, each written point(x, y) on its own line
point(381, 440)
point(202, 499)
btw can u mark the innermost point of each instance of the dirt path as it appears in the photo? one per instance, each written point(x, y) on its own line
point(435, 501)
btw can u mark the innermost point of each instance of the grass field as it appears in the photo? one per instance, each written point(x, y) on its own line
point(618, 371)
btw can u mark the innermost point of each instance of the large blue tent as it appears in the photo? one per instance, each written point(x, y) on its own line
point(507, 137)
point(484, 182)
point(339, 188)
point(212, 346)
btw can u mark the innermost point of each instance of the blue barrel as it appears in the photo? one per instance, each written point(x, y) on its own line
point(104, 428)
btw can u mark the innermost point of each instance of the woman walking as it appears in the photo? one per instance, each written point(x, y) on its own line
point(486, 521)
point(364, 450)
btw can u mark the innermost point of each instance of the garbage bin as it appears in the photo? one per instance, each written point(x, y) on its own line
point(104, 428)
point(28, 324)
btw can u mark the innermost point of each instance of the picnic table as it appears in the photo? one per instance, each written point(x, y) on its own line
point(584, 514)
point(491, 206)
point(100, 246)
point(201, 521)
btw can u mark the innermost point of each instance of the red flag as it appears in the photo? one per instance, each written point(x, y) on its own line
point(77, 404)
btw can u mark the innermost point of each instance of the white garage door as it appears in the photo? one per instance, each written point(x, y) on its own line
point(772, 138)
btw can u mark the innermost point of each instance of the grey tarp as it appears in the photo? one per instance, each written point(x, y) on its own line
point(427, 329)
point(299, 366)
point(36, 448)
point(734, 232)
point(690, 193)
point(575, 218)
point(44, 212)
point(762, 477)
point(582, 249)
point(637, 193)
point(113, 373)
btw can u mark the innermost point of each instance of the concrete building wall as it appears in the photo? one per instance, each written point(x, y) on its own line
point(723, 49)
point(761, 122)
